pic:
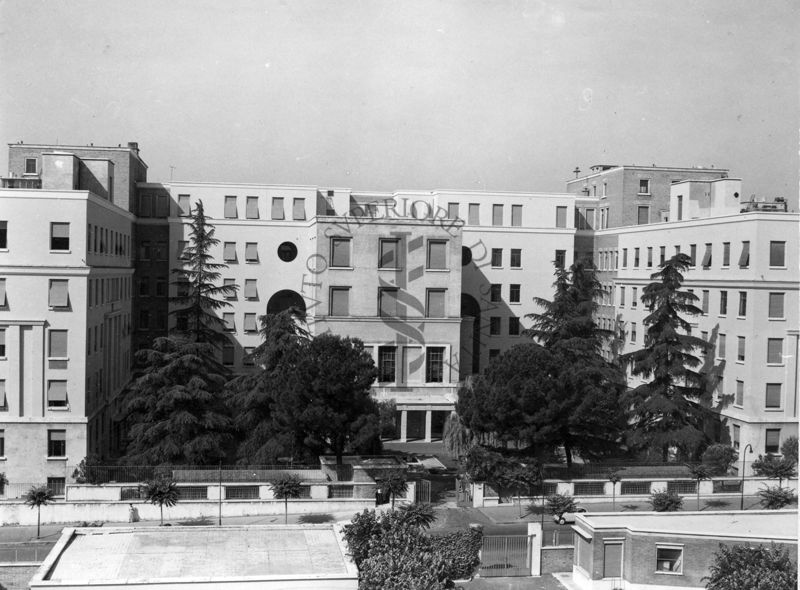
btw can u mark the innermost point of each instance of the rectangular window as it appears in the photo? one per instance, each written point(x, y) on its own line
point(56, 394)
point(161, 288)
point(57, 485)
point(299, 209)
point(693, 254)
point(250, 322)
point(437, 255)
point(387, 302)
point(723, 303)
point(707, 256)
point(277, 208)
point(773, 396)
point(742, 304)
point(434, 364)
point(737, 430)
point(561, 217)
point(231, 294)
point(775, 351)
point(726, 253)
point(495, 292)
point(146, 205)
point(57, 346)
point(251, 208)
point(633, 332)
point(251, 252)
point(775, 306)
point(228, 354)
point(516, 258)
point(494, 326)
point(739, 398)
point(340, 252)
point(474, 214)
point(3, 408)
point(184, 206)
point(59, 293)
point(497, 215)
point(721, 346)
point(182, 245)
point(2, 343)
point(3, 293)
point(622, 296)
point(452, 210)
point(228, 320)
point(624, 258)
point(560, 258)
point(643, 217)
point(516, 215)
point(669, 559)
point(680, 207)
point(644, 186)
point(388, 257)
point(30, 165)
point(229, 252)
point(773, 440)
point(704, 302)
point(230, 208)
point(3, 235)
point(514, 293)
point(513, 326)
point(56, 443)
point(740, 348)
point(435, 303)
point(247, 359)
point(662, 256)
point(649, 257)
point(59, 236)
point(250, 288)
point(744, 258)
point(590, 219)
point(497, 257)
point(777, 254)
point(387, 364)
point(634, 297)
point(340, 301)
point(636, 258)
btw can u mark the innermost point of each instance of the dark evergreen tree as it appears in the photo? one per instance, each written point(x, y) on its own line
point(669, 409)
point(174, 406)
point(740, 567)
point(199, 296)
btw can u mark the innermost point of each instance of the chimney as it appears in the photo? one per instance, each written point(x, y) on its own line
point(134, 146)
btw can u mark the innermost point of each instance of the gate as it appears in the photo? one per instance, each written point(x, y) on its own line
point(422, 493)
point(463, 493)
point(505, 555)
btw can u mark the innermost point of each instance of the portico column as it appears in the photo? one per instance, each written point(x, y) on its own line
point(403, 425)
point(428, 425)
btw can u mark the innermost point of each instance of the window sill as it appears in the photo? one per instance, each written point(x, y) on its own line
point(773, 409)
point(515, 268)
point(776, 319)
point(3, 458)
point(3, 249)
point(390, 268)
point(776, 364)
point(57, 458)
point(444, 270)
point(778, 267)
point(60, 251)
point(252, 261)
point(58, 358)
point(58, 408)
point(739, 406)
point(668, 573)
point(741, 317)
point(341, 268)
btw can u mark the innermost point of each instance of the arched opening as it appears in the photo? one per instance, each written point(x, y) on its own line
point(286, 299)
point(470, 336)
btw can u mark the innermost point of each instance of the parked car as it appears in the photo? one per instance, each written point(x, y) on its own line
point(568, 517)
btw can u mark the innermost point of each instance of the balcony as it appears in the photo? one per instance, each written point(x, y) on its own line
point(30, 182)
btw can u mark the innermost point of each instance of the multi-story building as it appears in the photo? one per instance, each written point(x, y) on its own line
point(744, 274)
point(65, 308)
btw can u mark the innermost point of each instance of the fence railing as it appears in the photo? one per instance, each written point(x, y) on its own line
point(98, 474)
point(30, 552)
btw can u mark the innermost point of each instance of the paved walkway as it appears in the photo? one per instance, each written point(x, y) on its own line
point(546, 582)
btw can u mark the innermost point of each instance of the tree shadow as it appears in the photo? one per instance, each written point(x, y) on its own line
point(629, 507)
point(716, 504)
point(314, 518)
point(199, 521)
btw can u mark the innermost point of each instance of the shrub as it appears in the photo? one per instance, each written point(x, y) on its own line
point(776, 497)
point(87, 471)
point(460, 551)
point(719, 458)
point(561, 503)
point(774, 468)
point(789, 449)
point(664, 501)
point(754, 568)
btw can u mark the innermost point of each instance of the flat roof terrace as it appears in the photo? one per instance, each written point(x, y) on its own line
point(270, 556)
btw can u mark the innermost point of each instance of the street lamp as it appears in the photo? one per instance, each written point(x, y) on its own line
point(747, 446)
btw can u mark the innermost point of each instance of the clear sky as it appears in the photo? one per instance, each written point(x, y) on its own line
point(410, 94)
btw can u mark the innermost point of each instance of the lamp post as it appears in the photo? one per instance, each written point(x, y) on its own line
point(744, 451)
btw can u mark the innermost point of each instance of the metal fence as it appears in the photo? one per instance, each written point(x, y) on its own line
point(652, 470)
point(30, 552)
point(505, 555)
point(589, 488)
point(97, 474)
point(635, 488)
point(728, 486)
point(682, 487)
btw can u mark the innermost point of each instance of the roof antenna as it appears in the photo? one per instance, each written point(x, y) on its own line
point(171, 170)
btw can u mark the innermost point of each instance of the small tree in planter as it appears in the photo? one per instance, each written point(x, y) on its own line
point(699, 472)
point(162, 491)
point(36, 497)
point(3, 483)
point(614, 478)
point(395, 483)
point(774, 468)
point(557, 504)
point(287, 486)
point(664, 501)
point(776, 497)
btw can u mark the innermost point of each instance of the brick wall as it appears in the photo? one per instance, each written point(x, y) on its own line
point(16, 576)
point(557, 559)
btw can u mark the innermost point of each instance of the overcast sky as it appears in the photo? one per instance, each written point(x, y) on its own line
point(411, 94)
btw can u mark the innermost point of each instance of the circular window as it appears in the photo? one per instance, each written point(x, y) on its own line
point(466, 255)
point(287, 251)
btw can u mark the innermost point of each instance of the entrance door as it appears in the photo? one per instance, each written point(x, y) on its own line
point(612, 560)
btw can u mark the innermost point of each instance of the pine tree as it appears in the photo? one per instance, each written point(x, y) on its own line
point(668, 410)
point(198, 294)
point(174, 405)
